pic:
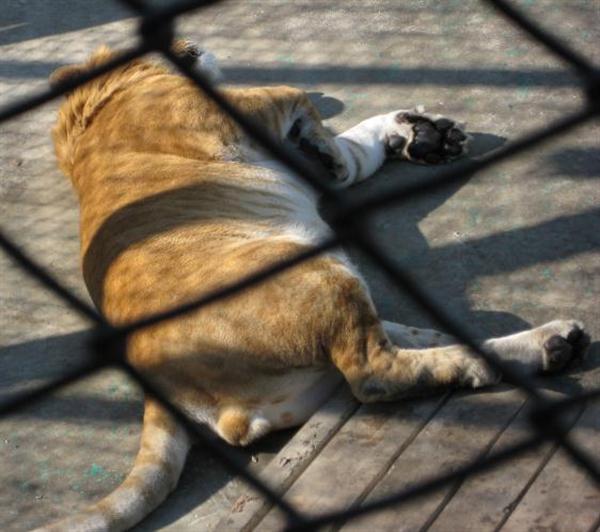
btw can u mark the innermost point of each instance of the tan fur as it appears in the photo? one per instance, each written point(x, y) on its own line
point(233, 425)
point(172, 208)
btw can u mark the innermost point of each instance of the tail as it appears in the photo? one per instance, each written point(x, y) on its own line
point(163, 450)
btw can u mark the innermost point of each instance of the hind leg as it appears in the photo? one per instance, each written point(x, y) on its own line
point(405, 336)
point(381, 370)
point(562, 340)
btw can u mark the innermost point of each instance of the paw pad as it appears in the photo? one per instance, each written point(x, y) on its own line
point(579, 341)
point(433, 141)
point(561, 350)
point(395, 143)
point(558, 353)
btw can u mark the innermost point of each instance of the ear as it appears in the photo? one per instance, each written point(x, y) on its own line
point(64, 73)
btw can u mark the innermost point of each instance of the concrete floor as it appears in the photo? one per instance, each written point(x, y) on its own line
point(515, 246)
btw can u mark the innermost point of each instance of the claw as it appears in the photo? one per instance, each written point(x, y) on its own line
point(444, 124)
point(456, 135)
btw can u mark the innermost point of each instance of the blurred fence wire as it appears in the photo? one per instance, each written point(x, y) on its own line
point(109, 344)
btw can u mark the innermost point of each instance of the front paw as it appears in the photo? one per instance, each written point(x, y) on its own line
point(426, 139)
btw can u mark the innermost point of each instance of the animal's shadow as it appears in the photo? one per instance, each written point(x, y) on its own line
point(444, 272)
point(447, 271)
point(203, 477)
point(46, 360)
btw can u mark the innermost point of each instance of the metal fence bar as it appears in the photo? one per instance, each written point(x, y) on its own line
point(156, 35)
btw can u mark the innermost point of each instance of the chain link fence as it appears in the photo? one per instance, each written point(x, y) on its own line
point(347, 212)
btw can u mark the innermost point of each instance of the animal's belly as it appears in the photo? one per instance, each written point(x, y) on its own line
point(293, 398)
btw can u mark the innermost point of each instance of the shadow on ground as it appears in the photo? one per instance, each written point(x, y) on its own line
point(100, 422)
point(31, 19)
point(457, 265)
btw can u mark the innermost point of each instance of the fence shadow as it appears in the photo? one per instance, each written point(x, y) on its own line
point(43, 360)
point(38, 18)
point(580, 163)
point(49, 357)
point(422, 75)
point(448, 269)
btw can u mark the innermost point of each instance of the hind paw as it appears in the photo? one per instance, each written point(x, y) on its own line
point(566, 340)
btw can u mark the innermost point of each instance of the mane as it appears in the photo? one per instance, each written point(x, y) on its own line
point(85, 102)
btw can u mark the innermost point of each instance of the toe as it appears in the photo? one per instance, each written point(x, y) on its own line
point(456, 135)
point(427, 142)
point(395, 144)
point(574, 335)
point(579, 340)
point(453, 150)
point(558, 353)
point(443, 124)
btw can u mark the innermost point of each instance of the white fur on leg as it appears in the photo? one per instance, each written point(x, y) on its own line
point(363, 146)
point(362, 149)
point(409, 337)
point(526, 352)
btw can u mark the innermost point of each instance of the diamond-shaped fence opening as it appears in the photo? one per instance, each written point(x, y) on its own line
point(155, 30)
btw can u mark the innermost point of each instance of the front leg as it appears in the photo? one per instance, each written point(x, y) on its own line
point(410, 135)
point(360, 151)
